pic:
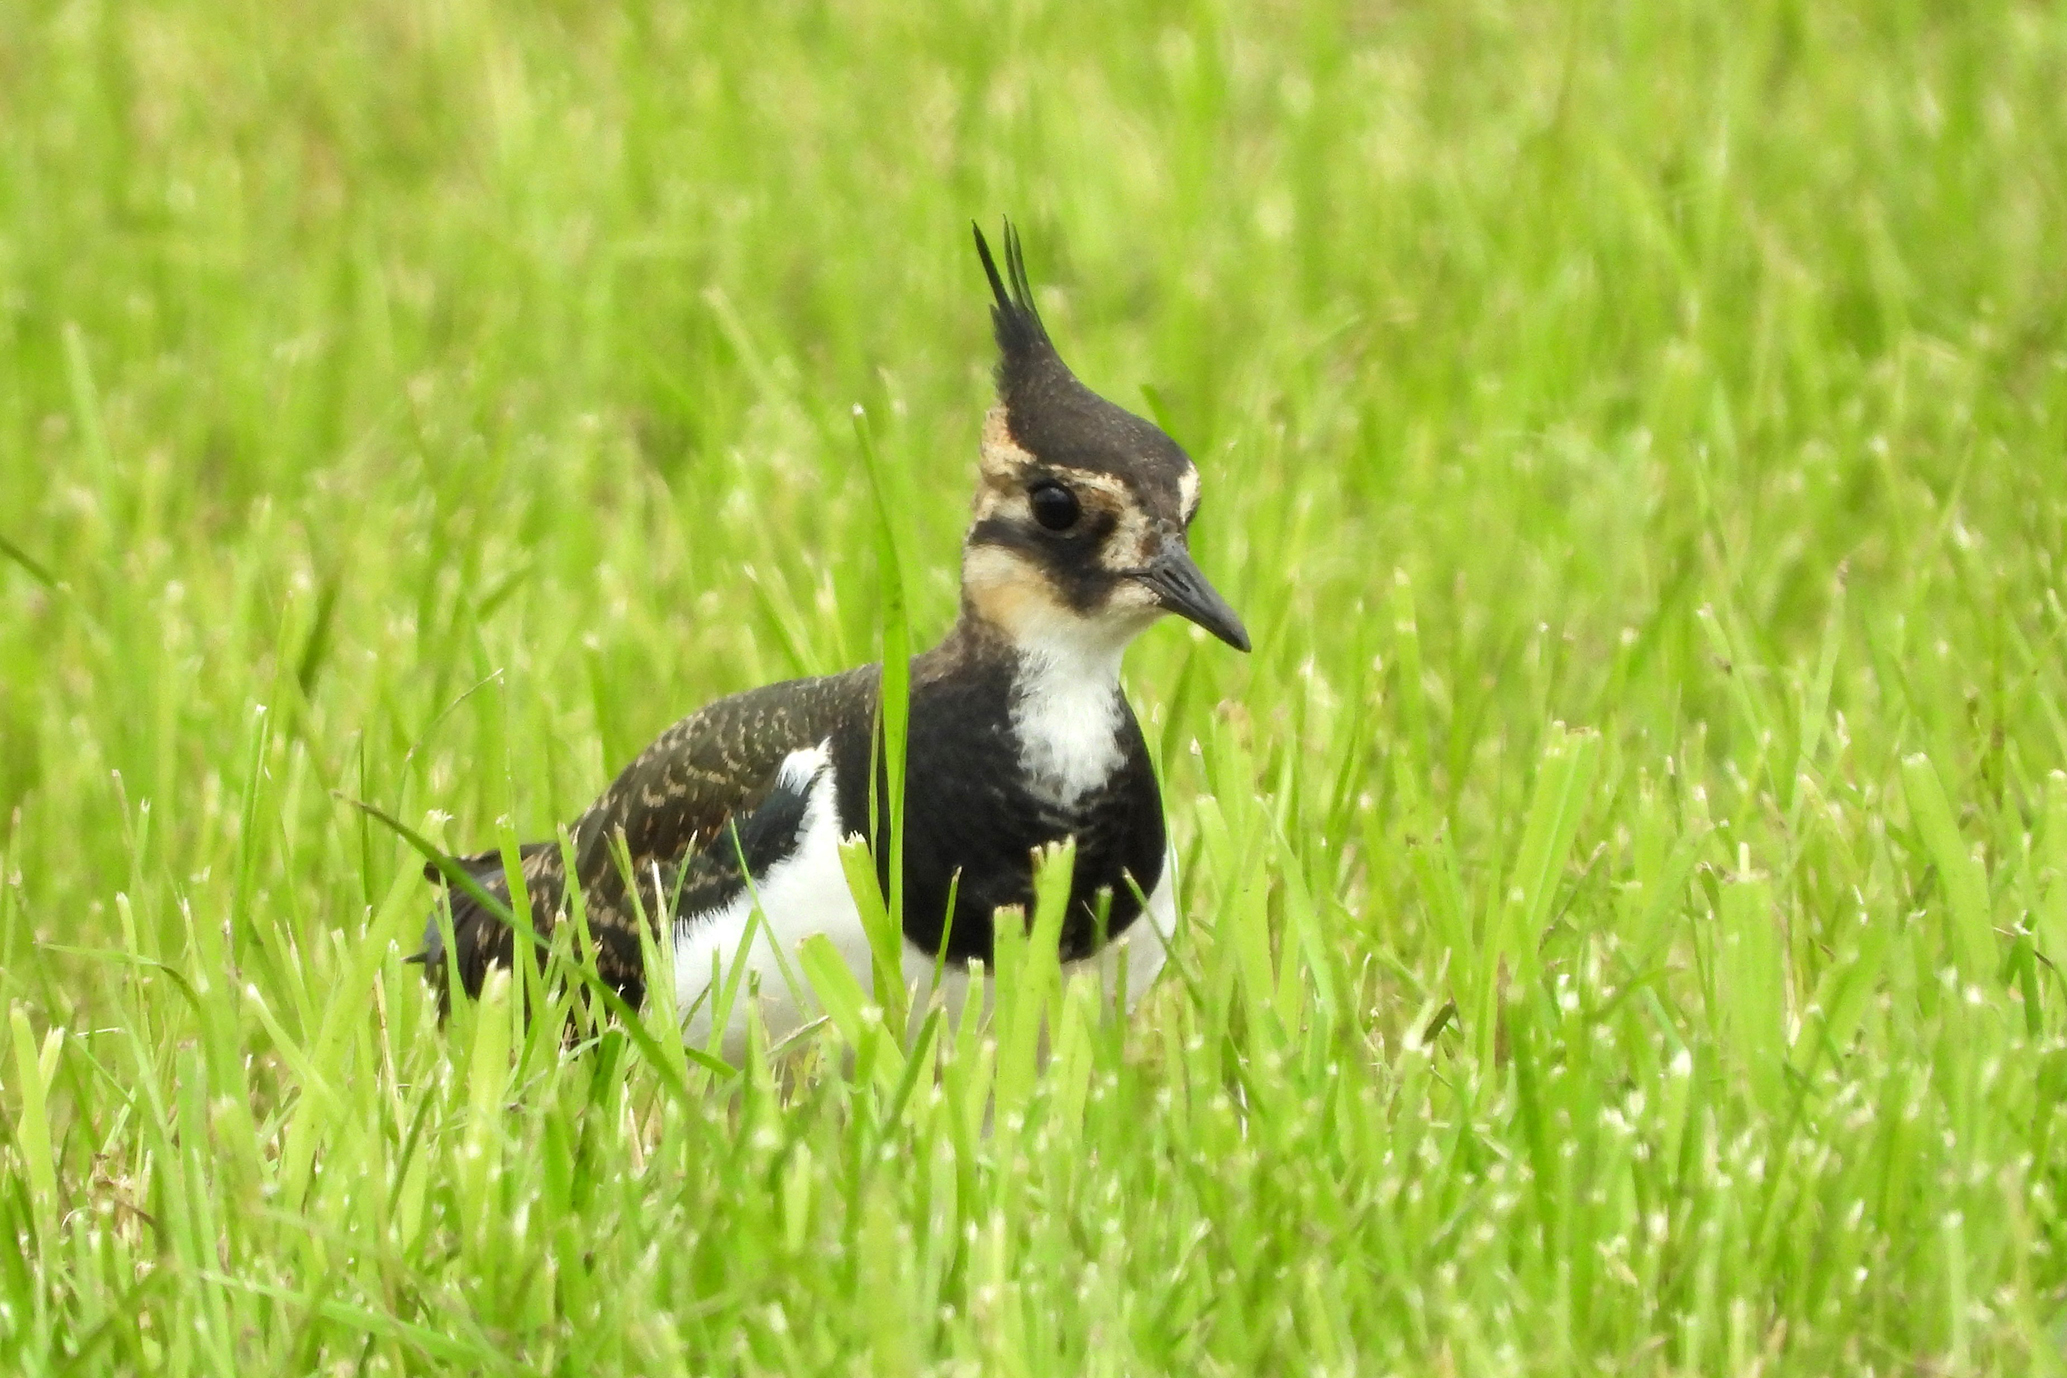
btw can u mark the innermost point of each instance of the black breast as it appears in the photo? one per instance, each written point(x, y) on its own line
point(970, 813)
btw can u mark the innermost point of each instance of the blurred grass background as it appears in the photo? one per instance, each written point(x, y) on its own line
point(1634, 435)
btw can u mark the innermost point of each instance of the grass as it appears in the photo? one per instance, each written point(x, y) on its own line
point(1626, 888)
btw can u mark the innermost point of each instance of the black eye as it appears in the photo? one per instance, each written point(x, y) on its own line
point(1054, 506)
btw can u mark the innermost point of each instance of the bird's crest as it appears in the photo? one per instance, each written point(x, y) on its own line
point(1014, 317)
point(1027, 358)
point(1044, 411)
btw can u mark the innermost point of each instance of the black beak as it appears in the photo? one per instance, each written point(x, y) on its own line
point(1180, 587)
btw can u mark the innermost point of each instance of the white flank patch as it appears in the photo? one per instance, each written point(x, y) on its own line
point(802, 894)
point(1147, 939)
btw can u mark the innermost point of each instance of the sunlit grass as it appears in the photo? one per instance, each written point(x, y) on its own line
point(1626, 888)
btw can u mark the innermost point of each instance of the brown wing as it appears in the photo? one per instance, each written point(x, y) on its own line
point(667, 807)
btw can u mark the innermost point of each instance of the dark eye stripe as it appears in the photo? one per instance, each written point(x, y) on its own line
point(1070, 567)
point(1010, 533)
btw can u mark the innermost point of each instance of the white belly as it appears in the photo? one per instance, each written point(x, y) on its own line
point(807, 893)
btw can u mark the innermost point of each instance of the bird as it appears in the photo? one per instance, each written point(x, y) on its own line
point(1019, 735)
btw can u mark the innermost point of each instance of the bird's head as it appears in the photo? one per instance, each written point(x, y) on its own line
point(1082, 507)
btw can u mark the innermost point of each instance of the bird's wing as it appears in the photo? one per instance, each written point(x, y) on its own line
point(665, 820)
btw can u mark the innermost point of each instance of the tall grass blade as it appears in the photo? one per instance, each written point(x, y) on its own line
point(886, 925)
point(1970, 936)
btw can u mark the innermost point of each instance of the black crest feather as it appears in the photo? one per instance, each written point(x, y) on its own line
point(1021, 337)
point(1048, 412)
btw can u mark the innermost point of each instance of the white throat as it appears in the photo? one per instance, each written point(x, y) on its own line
point(1066, 706)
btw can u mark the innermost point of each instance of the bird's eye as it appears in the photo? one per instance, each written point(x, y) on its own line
point(1054, 506)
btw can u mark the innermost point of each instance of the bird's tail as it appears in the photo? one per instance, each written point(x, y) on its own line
point(480, 937)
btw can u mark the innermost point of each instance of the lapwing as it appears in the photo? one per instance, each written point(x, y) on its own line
point(1019, 735)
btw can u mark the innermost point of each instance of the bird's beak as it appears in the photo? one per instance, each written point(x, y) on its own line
point(1182, 589)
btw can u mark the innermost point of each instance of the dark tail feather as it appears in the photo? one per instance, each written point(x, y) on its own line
point(479, 937)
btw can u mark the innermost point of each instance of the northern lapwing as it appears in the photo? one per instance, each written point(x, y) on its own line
point(1019, 735)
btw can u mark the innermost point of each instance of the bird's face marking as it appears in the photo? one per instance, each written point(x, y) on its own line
point(1063, 550)
point(1082, 508)
point(1112, 514)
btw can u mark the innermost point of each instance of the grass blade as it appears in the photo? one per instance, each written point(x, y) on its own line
point(886, 926)
point(1970, 936)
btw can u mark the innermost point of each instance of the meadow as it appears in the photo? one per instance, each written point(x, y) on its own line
point(1625, 890)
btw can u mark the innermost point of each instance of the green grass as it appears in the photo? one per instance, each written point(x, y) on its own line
point(1634, 435)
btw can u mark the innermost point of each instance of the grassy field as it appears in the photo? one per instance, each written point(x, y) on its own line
point(1626, 888)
